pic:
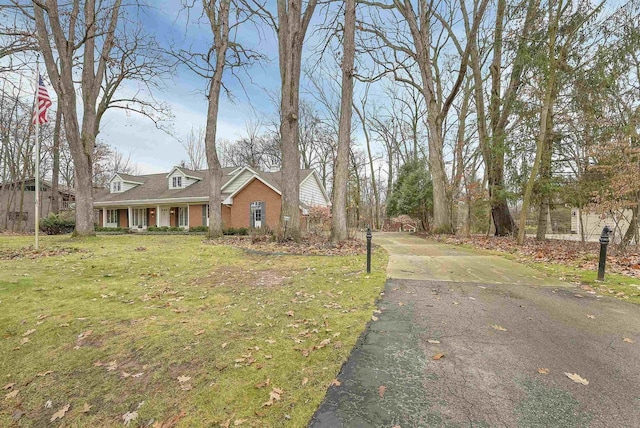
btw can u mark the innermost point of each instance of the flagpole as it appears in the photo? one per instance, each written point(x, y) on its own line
point(37, 219)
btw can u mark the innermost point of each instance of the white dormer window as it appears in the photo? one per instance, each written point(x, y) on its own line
point(116, 186)
point(177, 182)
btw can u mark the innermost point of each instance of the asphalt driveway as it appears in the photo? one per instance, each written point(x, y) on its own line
point(467, 339)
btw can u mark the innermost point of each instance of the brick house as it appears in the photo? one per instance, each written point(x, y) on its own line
point(251, 199)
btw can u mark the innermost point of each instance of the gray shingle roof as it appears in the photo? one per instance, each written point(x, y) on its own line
point(155, 186)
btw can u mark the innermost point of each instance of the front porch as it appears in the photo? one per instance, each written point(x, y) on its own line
point(139, 218)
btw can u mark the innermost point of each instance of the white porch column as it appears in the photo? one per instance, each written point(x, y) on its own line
point(104, 217)
point(158, 215)
point(129, 217)
point(188, 209)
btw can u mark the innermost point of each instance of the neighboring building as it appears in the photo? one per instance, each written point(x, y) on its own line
point(180, 198)
point(593, 223)
point(18, 208)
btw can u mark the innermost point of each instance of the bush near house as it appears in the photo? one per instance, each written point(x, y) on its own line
point(56, 224)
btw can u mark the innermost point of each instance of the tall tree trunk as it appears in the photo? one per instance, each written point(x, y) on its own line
point(219, 21)
point(374, 183)
point(292, 27)
point(500, 105)
point(339, 231)
point(545, 115)
point(55, 173)
point(545, 180)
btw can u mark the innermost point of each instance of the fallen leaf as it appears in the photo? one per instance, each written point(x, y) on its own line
point(60, 413)
point(591, 317)
point(381, 390)
point(577, 378)
point(48, 372)
point(335, 382)
point(263, 384)
point(86, 407)
point(28, 332)
point(498, 327)
point(12, 394)
point(48, 404)
point(374, 318)
point(290, 313)
point(435, 342)
point(198, 333)
point(113, 365)
point(183, 379)
point(186, 386)
point(129, 416)
point(17, 415)
point(224, 345)
point(9, 385)
point(438, 356)
point(24, 340)
point(238, 422)
point(543, 370)
point(137, 375)
point(626, 339)
point(304, 381)
point(84, 335)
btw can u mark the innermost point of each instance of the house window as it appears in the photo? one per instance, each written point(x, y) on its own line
point(183, 216)
point(116, 186)
point(256, 214)
point(177, 182)
point(139, 217)
point(112, 217)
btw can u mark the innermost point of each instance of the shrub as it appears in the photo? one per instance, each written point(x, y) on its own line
point(198, 229)
point(112, 229)
point(174, 229)
point(56, 224)
point(240, 231)
point(153, 229)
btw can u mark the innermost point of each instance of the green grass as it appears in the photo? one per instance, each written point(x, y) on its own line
point(620, 286)
point(162, 307)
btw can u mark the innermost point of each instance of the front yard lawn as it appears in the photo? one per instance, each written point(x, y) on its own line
point(169, 331)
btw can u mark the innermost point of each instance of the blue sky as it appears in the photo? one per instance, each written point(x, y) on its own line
point(154, 150)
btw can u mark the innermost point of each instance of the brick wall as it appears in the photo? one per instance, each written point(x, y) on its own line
point(255, 191)
point(226, 216)
point(195, 215)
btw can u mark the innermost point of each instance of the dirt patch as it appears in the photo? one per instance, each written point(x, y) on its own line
point(239, 276)
point(32, 253)
point(309, 246)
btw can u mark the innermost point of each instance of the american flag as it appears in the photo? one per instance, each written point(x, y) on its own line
point(43, 103)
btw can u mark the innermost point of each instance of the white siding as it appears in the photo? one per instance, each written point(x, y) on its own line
point(311, 194)
point(126, 186)
point(594, 223)
point(238, 181)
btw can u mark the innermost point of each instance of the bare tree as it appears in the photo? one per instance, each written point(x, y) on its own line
point(291, 27)
point(88, 44)
point(431, 28)
point(194, 146)
point(339, 231)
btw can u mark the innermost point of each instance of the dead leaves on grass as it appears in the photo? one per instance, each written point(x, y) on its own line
point(274, 395)
point(60, 413)
point(381, 390)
